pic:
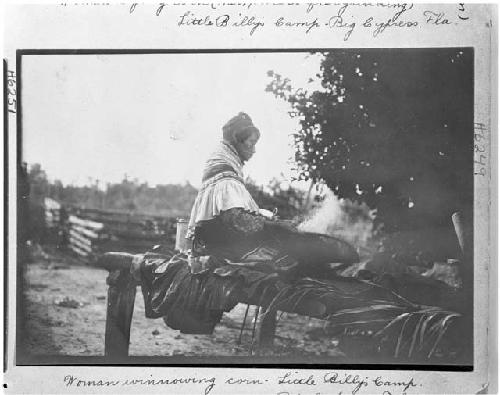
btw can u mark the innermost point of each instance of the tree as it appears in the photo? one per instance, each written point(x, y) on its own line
point(392, 128)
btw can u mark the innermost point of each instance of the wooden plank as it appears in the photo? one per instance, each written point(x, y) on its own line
point(115, 261)
point(49, 217)
point(120, 309)
point(85, 223)
point(128, 249)
point(81, 238)
point(78, 250)
point(52, 204)
point(87, 232)
point(104, 218)
point(120, 244)
point(52, 218)
point(78, 244)
point(112, 227)
point(137, 234)
point(308, 305)
point(122, 214)
point(137, 220)
point(117, 224)
point(119, 218)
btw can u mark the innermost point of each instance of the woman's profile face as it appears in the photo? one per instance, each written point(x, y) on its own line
point(246, 148)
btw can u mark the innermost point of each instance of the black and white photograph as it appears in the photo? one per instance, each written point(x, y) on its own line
point(291, 208)
point(309, 205)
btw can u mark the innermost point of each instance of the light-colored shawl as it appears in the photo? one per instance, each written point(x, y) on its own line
point(222, 189)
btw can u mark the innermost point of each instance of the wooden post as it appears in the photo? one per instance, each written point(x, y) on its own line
point(458, 224)
point(462, 227)
point(121, 299)
point(464, 230)
point(266, 329)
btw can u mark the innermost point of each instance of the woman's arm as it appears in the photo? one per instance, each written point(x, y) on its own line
point(245, 223)
point(242, 222)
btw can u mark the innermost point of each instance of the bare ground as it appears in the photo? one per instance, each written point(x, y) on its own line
point(65, 315)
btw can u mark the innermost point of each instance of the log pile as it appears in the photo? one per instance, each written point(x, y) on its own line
point(84, 235)
point(90, 232)
point(52, 210)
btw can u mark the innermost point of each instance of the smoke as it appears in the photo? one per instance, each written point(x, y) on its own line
point(341, 218)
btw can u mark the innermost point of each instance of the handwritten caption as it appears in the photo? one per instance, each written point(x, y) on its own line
point(291, 382)
point(480, 152)
point(11, 92)
point(342, 18)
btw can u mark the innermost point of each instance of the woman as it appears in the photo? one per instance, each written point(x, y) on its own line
point(225, 217)
point(225, 224)
point(225, 220)
point(237, 253)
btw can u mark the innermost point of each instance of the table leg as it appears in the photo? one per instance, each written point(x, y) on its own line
point(121, 299)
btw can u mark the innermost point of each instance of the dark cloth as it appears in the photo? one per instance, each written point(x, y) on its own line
point(231, 235)
point(194, 302)
point(236, 232)
point(238, 257)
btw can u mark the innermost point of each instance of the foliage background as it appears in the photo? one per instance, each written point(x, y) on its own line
point(391, 128)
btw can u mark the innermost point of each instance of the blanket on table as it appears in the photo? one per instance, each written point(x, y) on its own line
point(192, 293)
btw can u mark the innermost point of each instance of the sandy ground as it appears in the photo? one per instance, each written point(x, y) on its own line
point(76, 326)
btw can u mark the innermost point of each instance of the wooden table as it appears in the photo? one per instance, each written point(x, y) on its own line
point(122, 287)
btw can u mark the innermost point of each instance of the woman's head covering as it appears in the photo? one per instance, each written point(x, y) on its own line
point(238, 128)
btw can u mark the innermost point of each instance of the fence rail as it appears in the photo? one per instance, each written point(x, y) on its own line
point(52, 213)
point(90, 232)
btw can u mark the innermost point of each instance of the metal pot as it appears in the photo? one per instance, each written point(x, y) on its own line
point(181, 243)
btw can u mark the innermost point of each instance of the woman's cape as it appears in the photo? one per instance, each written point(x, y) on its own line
point(222, 188)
